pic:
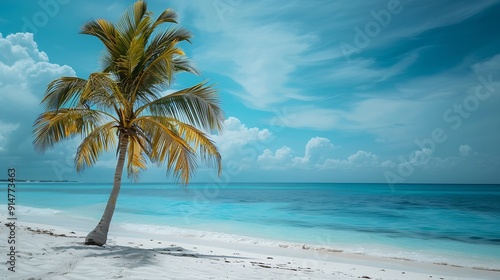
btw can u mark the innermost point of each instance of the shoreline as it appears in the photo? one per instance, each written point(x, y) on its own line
point(59, 218)
point(52, 218)
point(196, 258)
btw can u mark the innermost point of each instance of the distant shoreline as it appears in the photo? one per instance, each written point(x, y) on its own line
point(215, 182)
point(40, 181)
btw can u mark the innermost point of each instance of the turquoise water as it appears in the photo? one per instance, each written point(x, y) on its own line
point(452, 223)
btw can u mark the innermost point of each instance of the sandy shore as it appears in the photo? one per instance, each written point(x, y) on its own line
point(49, 252)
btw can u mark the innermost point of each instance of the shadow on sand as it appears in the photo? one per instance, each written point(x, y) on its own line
point(140, 256)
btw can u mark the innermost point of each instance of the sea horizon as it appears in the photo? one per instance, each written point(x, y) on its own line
point(246, 182)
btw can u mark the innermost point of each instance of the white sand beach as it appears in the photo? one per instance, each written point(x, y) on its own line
point(51, 252)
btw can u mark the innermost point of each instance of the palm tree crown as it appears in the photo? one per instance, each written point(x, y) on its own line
point(124, 107)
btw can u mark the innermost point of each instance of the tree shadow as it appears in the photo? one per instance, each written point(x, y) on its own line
point(139, 257)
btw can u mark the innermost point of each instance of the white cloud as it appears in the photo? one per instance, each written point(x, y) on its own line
point(258, 54)
point(281, 159)
point(422, 158)
point(425, 159)
point(491, 65)
point(24, 73)
point(19, 48)
point(308, 117)
point(318, 149)
point(5, 130)
point(389, 119)
point(361, 159)
point(267, 57)
point(402, 114)
point(364, 71)
point(241, 143)
point(464, 150)
point(262, 67)
point(316, 152)
point(388, 164)
point(318, 155)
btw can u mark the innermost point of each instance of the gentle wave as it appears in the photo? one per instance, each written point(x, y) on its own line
point(26, 210)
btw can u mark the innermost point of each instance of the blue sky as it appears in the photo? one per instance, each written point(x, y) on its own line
point(319, 91)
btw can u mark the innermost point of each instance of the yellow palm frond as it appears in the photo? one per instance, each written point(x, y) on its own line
point(107, 33)
point(63, 92)
point(167, 16)
point(103, 91)
point(136, 161)
point(197, 105)
point(54, 126)
point(199, 141)
point(161, 59)
point(167, 145)
point(125, 100)
point(101, 139)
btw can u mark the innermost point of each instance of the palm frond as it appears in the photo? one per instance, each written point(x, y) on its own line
point(182, 64)
point(63, 92)
point(167, 145)
point(103, 91)
point(200, 142)
point(54, 126)
point(106, 32)
point(125, 100)
point(136, 161)
point(197, 105)
point(167, 16)
point(101, 139)
point(162, 59)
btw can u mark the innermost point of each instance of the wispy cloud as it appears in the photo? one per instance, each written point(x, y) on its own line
point(267, 57)
point(260, 59)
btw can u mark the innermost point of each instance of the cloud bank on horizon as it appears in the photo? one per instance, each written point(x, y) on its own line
point(325, 91)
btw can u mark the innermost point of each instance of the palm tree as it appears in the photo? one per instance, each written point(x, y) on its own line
point(124, 108)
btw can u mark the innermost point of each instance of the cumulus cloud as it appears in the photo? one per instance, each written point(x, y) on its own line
point(319, 154)
point(426, 159)
point(24, 73)
point(5, 130)
point(318, 149)
point(282, 158)
point(359, 159)
point(388, 164)
point(241, 143)
point(464, 150)
point(316, 152)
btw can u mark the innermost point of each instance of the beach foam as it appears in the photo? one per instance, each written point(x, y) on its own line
point(26, 210)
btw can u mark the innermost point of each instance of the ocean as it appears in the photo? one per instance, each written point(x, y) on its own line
point(454, 224)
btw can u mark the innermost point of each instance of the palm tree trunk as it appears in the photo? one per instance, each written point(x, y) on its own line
point(99, 235)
